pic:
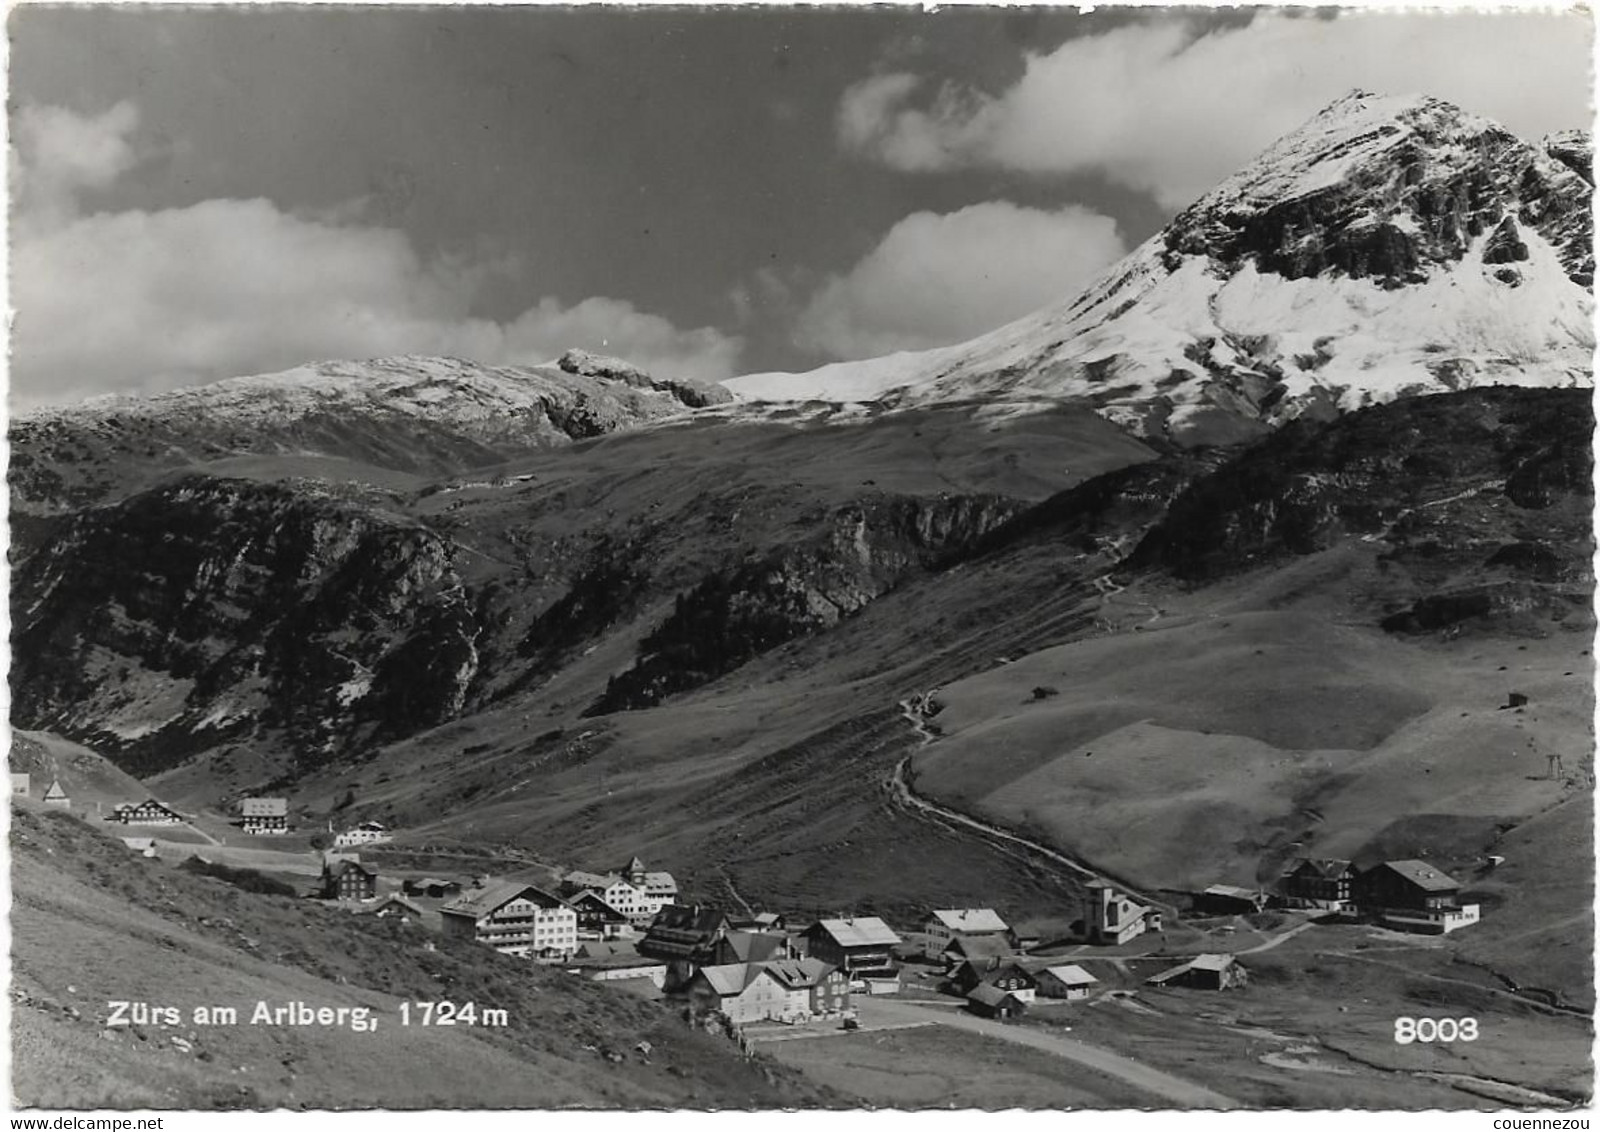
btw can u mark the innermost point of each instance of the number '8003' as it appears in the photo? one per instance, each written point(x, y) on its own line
point(1408, 1030)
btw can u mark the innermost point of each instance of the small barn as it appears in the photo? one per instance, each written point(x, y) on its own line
point(1203, 972)
point(1229, 900)
point(54, 795)
point(1068, 981)
point(989, 1001)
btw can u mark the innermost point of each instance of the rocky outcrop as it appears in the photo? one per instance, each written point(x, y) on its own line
point(1411, 191)
point(695, 394)
point(1575, 150)
point(213, 610)
point(865, 550)
point(1446, 485)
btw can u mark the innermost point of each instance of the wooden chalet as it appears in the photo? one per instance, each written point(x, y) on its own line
point(346, 878)
point(54, 795)
point(596, 918)
point(1318, 882)
point(1013, 978)
point(1413, 896)
point(684, 931)
point(265, 815)
point(148, 812)
point(860, 945)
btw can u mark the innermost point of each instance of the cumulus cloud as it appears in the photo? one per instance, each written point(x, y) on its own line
point(938, 279)
point(62, 154)
point(145, 300)
point(1159, 108)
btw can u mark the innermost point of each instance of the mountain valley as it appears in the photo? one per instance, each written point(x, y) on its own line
point(1275, 542)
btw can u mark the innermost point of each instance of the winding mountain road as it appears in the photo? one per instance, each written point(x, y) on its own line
point(899, 786)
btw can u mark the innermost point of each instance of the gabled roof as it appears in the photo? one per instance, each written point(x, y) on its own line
point(390, 901)
point(979, 947)
point(970, 919)
point(480, 902)
point(797, 973)
point(1000, 970)
point(1072, 975)
point(1421, 874)
point(340, 867)
point(1198, 963)
point(147, 804)
point(607, 949)
point(862, 931)
point(589, 897)
point(577, 878)
point(1238, 892)
point(1329, 868)
point(54, 790)
point(731, 978)
point(265, 807)
point(989, 994)
point(689, 918)
point(754, 947)
point(660, 879)
point(634, 865)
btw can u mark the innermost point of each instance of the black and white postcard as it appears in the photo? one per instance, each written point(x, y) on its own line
point(801, 558)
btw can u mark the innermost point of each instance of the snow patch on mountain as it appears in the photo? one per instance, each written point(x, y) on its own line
point(1392, 246)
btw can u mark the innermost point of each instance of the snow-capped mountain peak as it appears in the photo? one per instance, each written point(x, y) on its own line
point(1391, 245)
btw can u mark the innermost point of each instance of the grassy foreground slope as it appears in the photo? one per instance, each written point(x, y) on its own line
point(186, 941)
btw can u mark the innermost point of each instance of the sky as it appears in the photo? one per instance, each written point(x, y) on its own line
point(206, 192)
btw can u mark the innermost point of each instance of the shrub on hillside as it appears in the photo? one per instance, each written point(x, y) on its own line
point(248, 879)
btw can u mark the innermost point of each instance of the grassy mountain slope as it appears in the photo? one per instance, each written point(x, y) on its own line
point(79, 896)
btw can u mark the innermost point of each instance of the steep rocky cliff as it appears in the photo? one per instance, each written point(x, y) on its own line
point(212, 611)
point(1483, 500)
point(862, 552)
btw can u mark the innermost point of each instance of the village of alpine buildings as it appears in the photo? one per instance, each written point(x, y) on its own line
point(752, 974)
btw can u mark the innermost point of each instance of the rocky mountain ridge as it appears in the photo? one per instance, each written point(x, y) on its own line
point(412, 415)
point(1392, 246)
